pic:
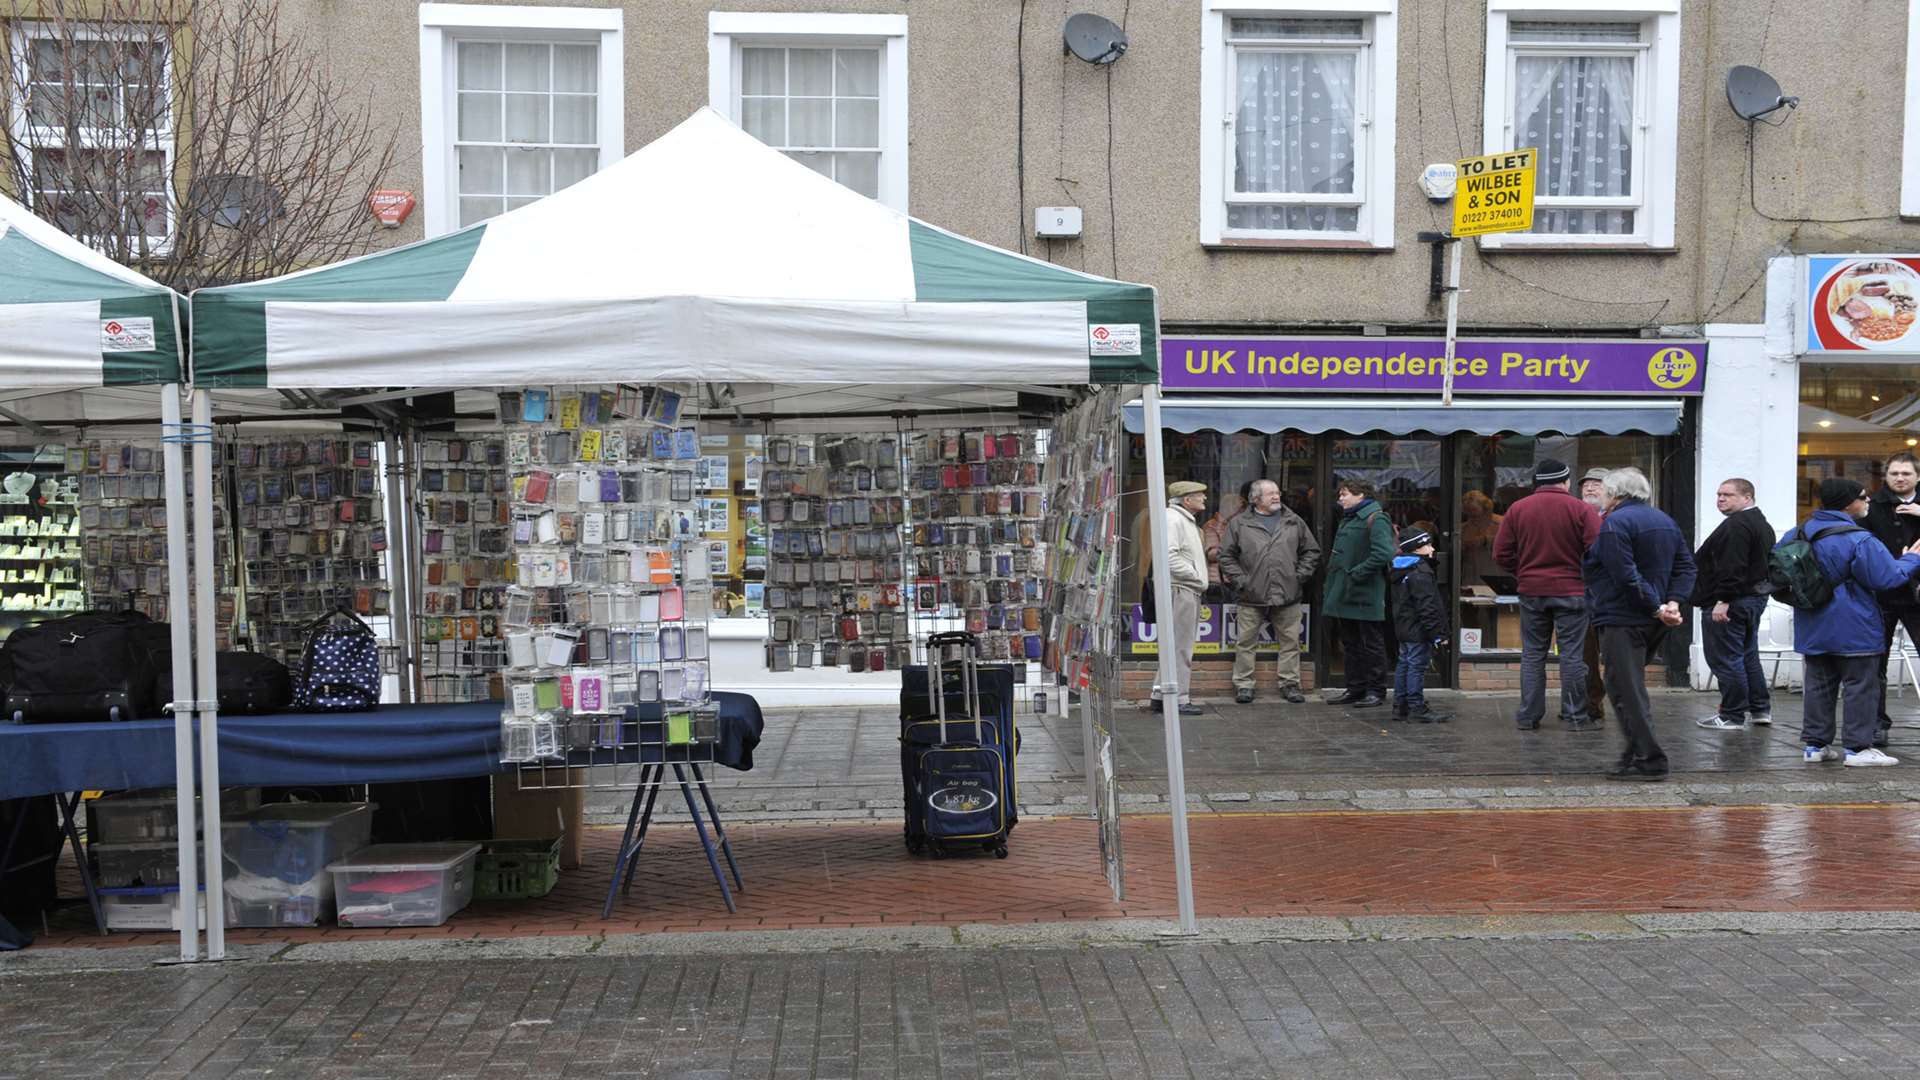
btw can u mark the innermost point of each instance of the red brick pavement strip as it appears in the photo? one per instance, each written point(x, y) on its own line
point(1758, 858)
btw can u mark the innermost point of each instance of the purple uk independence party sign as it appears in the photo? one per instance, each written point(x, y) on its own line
point(1520, 366)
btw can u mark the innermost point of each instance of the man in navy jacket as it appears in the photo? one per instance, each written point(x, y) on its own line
point(1841, 639)
point(1637, 574)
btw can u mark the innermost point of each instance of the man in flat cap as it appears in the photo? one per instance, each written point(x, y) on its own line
point(1541, 542)
point(1187, 573)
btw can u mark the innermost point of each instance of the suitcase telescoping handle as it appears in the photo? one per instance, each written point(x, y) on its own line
point(969, 677)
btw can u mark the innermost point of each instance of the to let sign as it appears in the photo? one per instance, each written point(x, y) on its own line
point(1495, 194)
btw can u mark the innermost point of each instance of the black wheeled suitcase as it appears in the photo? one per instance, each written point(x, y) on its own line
point(246, 683)
point(98, 665)
point(957, 773)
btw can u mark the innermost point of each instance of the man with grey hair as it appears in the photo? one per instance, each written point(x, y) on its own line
point(1266, 560)
point(1637, 573)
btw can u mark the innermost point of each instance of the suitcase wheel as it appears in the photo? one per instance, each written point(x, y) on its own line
point(915, 845)
point(999, 851)
point(113, 712)
point(19, 716)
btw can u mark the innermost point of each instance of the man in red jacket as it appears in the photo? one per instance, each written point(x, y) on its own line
point(1541, 542)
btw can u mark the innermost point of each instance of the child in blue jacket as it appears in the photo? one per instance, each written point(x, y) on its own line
point(1420, 622)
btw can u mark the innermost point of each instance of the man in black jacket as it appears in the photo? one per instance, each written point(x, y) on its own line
point(1732, 591)
point(1893, 515)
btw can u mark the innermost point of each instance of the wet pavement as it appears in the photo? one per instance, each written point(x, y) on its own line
point(1687, 1006)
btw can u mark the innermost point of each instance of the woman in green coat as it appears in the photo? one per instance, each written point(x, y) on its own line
point(1356, 592)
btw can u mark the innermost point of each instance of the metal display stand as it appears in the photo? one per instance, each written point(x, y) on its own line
point(635, 837)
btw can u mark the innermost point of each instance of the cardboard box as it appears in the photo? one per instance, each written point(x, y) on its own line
point(542, 813)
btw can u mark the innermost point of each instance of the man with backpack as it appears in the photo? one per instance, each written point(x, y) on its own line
point(1836, 621)
point(1893, 516)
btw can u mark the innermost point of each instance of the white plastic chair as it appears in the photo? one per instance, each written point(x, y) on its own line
point(1776, 638)
point(1902, 657)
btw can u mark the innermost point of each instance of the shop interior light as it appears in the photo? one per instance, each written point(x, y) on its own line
point(1913, 442)
point(1875, 397)
point(1826, 423)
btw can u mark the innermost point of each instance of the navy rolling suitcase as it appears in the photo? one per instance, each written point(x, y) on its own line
point(957, 772)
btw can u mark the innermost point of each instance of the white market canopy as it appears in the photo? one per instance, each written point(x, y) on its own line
point(704, 256)
point(72, 318)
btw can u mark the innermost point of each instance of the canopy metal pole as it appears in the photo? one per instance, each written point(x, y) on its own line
point(1453, 321)
point(178, 606)
point(1169, 702)
point(206, 615)
point(399, 570)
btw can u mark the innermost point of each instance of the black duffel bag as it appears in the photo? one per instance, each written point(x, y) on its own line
point(97, 665)
point(245, 683)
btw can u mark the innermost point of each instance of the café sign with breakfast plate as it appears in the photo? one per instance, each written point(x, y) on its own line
point(1862, 304)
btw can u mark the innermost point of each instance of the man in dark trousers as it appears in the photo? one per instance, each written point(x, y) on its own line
point(1541, 542)
point(1731, 592)
point(1592, 483)
point(1893, 517)
point(1356, 593)
point(1638, 573)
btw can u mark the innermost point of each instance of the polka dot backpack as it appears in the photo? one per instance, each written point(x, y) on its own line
point(340, 668)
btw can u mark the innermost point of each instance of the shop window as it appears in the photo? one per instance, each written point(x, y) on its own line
point(92, 111)
point(1303, 150)
point(1852, 418)
point(516, 104)
point(827, 90)
point(1495, 472)
point(1596, 96)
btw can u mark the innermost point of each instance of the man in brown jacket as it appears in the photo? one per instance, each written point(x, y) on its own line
point(1266, 560)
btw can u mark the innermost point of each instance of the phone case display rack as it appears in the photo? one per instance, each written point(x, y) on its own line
point(611, 590)
point(833, 510)
point(41, 563)
point(313, 535)
point(123, 520)
point(463, 515)
point(975, 548)
point(1083, 507)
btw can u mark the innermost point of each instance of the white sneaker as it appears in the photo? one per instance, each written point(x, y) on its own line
point(1716, 722)
point(1762, 719)
point(1814, 755)
point(1870, 756)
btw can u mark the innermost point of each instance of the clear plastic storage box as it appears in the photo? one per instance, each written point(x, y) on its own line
point(137, 817)
point(147, 909)
point(154, 863)
point(276, 859)
point(404, 884)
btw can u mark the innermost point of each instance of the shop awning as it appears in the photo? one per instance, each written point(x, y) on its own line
point(1403, 416)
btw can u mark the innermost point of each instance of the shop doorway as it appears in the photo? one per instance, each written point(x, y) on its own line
point(1408, 474)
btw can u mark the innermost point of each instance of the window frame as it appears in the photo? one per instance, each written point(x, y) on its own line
point(1376, 80)
point(728, 32)
point(1910, 141)
point(444, 26)
point(162, 140)
point(1656, 130)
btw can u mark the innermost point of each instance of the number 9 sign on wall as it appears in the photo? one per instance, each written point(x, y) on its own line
point(1862, 303)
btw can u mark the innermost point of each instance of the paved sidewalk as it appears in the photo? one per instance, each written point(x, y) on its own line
point(1303, 863)
point(824, 764)
point(1799, 1005)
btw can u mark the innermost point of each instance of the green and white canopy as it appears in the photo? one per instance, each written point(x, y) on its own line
point(71, 317)
point(704, 256)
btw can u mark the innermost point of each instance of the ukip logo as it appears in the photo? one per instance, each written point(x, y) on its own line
point(1672, 368)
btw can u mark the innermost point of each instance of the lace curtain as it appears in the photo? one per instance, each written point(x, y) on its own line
point(1294, 134)
point(1578, 111)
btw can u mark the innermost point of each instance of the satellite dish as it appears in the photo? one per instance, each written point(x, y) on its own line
point(1754, 93)
point(231, 200)
point(1094, 39)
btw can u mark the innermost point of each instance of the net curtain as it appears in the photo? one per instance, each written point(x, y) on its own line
point(1294, 134)
point(1578, 110)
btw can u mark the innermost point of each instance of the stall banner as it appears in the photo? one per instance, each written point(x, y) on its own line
point(1216, 632)
point(1480, 365)
point(1862, 303)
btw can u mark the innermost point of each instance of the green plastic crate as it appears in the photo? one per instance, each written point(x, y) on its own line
point(517, 869)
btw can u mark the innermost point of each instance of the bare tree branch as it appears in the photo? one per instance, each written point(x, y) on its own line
point(196, 142)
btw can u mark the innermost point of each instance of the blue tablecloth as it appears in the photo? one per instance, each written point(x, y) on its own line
point(394, 743)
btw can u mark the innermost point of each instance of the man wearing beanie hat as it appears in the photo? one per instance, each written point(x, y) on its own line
point(1420, 622)
point(1840, 639)
point(1187, 573)
point(1541, 542)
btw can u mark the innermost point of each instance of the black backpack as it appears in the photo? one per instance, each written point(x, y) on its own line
point(97, 665)
point(1795, 575)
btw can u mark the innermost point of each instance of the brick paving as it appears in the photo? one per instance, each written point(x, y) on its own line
point(1762, 858)
point(1683, 1007)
